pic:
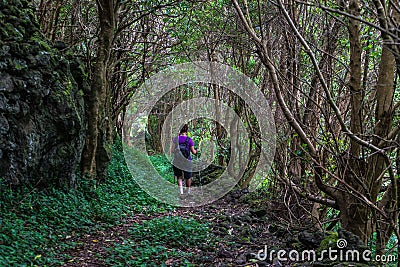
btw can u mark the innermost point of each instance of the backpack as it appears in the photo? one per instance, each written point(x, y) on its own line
point(182, 147)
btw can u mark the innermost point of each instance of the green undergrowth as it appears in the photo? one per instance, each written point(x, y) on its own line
point(36, 225)
point(163, 167)
point(159, 241)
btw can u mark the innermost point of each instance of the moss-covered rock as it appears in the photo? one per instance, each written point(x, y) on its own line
point(340, 249)
point(42, 124)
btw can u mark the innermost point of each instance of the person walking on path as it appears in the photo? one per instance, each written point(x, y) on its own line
point(184, 146)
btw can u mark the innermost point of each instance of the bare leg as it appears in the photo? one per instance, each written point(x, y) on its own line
point(188, 184)
point(180, 185)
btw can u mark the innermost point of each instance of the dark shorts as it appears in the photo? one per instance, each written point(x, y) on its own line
point(178, 173)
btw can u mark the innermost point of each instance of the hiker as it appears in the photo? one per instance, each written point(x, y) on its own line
point(183, 144)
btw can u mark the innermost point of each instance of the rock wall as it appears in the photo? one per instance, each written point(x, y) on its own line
point(42, 124)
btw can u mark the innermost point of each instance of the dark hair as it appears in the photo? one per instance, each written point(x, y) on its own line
point(184, 129)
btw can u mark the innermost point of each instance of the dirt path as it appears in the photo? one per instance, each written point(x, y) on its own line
point(241, 229)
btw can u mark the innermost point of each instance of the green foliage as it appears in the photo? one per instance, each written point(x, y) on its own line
point(163, 166)
point(40, 40)
point(157, 240)
point(171, 230)
point(390, 251)
point(185, 22)
point(36, 225)
point(329, 241)
point(130, 254)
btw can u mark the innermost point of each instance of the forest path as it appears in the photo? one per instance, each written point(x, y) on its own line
point(241, 229)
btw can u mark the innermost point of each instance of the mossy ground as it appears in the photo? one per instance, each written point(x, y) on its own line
point(36, 226)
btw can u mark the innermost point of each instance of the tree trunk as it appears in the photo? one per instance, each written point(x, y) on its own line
point(384, 118)
point(96, 99)
point(356, 94)
point(354, 213)
point(105, 140)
